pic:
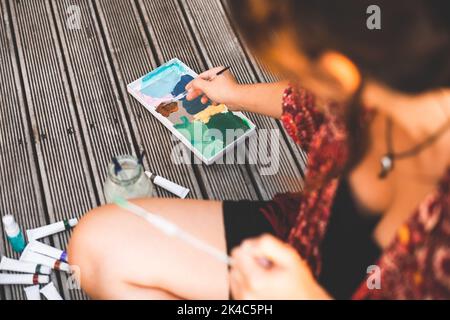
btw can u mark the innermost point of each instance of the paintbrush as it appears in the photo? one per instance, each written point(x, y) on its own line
point(175, 99)
point(172, 230)
point(185, 93)
point(221, 72)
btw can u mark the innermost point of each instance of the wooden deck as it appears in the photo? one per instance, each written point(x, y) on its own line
point(65, 110)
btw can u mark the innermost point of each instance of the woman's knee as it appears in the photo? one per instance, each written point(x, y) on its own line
point(91, 245)
point(107, 246)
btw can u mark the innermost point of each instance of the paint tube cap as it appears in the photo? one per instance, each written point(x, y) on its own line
point(73, 222)
point(11, 226)
point(150, 175)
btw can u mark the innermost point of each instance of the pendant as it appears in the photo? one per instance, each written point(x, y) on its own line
point(387, 165)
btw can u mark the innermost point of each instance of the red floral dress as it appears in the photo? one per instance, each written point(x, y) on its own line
point(417, 263)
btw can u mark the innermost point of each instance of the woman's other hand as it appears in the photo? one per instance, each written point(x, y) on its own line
point(268, 269)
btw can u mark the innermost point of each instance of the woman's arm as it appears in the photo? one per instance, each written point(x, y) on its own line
point(296, 107)
point(265, 99)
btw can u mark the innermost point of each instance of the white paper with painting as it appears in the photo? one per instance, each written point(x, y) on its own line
point(209, 131)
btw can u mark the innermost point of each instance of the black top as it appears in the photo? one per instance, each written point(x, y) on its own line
point(348, 248)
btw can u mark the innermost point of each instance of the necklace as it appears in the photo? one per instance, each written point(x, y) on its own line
point(388, 160)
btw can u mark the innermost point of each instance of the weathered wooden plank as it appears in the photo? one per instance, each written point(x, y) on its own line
point(98, 105)
point(131, 46)
point(60, 147)
point(220, 46)
point(19, 178)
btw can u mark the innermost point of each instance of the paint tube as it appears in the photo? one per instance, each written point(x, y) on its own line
point(7, 264)
point(30, 256)
point(27, 279)
point(51, 229)
point(49, 251)
point(33, 293)
point(50, 292)
point(170, 186)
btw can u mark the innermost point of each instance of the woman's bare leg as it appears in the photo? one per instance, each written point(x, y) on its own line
point(121, 256)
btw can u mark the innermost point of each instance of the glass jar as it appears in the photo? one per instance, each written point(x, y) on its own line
point(128, 182)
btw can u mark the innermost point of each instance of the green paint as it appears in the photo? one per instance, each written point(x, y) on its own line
point(246, 123)
point(197, 133)
point(191, 130)
point(227, 121)
point(209, 138)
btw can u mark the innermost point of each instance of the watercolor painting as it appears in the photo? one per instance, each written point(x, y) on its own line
point(209, 130)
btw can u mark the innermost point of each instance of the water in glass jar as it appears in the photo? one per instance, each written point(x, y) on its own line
point(127, 179)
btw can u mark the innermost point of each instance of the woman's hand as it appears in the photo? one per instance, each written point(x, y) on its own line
point(267, 269)
point(219, 89)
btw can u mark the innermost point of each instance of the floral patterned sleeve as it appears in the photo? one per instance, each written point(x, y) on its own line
point(301, 121)
point(300, 117)
point(301, 219)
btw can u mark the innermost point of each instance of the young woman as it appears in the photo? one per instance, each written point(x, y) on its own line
point(377, 130)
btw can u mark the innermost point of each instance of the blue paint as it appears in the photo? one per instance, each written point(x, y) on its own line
point(164, 85)
point(181, 85)
point(195, 106)
point(169, 79)
point(164, 68)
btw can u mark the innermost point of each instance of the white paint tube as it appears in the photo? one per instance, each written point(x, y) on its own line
point(33, 293)
point(170, 186)
point(30, 256)
point(25, 267)
point(51, 229)
point(50, 292)
point(23, 279)
point(49, 251)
